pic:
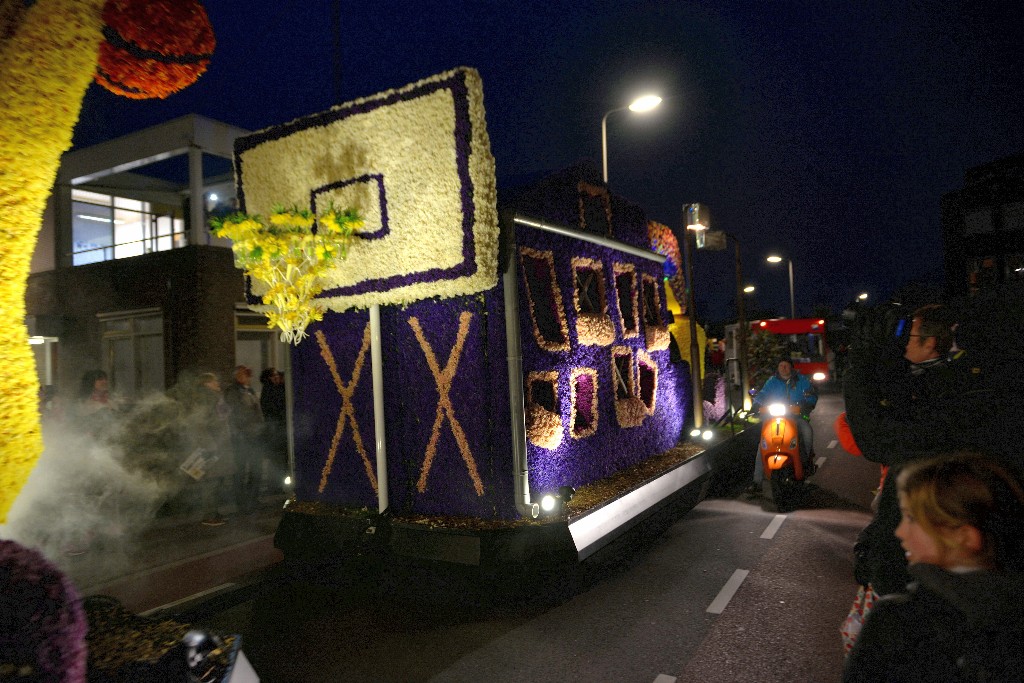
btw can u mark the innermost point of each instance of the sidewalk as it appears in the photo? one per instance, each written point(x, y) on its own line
point(177, 560)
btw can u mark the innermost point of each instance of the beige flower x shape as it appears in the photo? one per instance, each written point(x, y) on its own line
point(443, 379)
point(348, 411)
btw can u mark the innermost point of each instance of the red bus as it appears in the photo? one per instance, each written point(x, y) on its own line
point(808, 348)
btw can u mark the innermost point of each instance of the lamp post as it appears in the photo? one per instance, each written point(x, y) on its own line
point(639, 105)
point(792, 301)
point(695, 219)
point(741, 340)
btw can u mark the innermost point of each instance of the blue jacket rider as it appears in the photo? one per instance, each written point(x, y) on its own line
point(790, 387)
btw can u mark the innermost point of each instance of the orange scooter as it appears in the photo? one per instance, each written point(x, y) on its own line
point(780, 454)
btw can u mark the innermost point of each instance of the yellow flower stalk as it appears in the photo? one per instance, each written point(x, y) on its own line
point(283, 254)
point(45, 67)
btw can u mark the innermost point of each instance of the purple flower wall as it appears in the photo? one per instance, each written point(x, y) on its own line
point(446, 383)
point(575, 462)
point(448, 434)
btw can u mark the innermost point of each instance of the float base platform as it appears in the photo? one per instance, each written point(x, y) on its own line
point(321, 534)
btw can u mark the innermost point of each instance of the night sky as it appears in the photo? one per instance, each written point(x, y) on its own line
point(826, 131)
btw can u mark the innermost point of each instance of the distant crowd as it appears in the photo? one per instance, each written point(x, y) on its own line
point(217, 446)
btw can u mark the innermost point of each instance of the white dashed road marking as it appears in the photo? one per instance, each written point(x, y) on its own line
point(720, 602)
point(664, 678)
point(773, 527)
point(832, 443)
point(820, 461)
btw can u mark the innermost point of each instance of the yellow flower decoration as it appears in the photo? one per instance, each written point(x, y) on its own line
point(284, 254)
point(47, 59)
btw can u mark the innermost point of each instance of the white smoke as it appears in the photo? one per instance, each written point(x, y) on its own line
point(97, 492)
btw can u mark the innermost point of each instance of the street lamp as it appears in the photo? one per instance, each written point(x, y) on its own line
point(695, 218)
point(639, 105)
point(792, 302)
point(863, 296)
point(749, 289)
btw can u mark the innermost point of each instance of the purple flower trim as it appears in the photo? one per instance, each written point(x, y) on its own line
point(456, 83)
point(42, 623)
point(382, 200)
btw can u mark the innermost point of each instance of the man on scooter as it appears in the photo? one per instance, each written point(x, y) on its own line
point(790, 387)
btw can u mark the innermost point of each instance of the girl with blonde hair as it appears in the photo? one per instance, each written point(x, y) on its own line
point(962, 617)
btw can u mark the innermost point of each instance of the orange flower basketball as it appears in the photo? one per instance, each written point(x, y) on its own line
point(153, 48)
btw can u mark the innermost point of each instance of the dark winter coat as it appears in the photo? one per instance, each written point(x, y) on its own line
point(948, 627)
point(900, 419)
point(244, 414)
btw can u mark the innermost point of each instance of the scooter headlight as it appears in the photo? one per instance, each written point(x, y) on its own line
point(776, 409)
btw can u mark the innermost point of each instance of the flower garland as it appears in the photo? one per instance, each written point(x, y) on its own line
point(664, 242)
point(46, 65)
point(153, 48)
point(287, 256)
point(44, 626)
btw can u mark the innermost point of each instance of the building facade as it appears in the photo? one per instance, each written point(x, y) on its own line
point(983, 228)
point(127, 278)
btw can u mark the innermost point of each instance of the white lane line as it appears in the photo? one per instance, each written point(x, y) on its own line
point(194, 596)
point(820, 461)
point(720, 602)
point(832, 443)
point(665, 678)
point(773, 527)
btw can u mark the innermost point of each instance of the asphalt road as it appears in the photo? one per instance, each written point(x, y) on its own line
point(732, 591)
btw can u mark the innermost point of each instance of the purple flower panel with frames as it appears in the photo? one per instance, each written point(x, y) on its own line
point(479, 410)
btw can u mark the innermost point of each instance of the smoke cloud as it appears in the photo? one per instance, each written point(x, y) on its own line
point(103, 478)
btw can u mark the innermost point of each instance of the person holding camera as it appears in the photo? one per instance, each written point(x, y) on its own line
point(900, 410)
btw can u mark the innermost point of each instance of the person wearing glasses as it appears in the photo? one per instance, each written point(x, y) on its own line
point(931, 401)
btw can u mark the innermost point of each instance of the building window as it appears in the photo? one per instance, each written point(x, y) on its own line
point(630, 411)
point(133, 352)
point(595, 208)
point(1014, 267)
point(593, 325)
point(584, 402)
point(626, 296)
point(105, 227)
point(256, 346)
point(543, 412)
point(622, 373)
point(655, 331)
point(647, 381)
point(549, 327)
point(1013, 217)
point(983, 274)
point(978, 222)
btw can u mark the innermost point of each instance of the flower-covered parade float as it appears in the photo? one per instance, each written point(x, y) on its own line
point(480, 390)
point(50, 50)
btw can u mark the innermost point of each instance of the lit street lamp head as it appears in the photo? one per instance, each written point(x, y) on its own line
point(645, 103)
point(639, 105)
point(774, 258)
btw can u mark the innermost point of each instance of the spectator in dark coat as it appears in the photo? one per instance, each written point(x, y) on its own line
point(900, 412)
point(962, 619)
point(272, 401)
point(246, 420)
